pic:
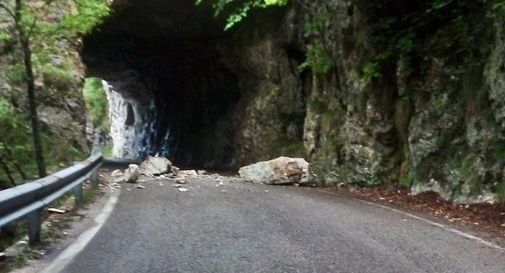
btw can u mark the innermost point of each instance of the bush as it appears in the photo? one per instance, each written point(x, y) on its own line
point(58, 78)
point(96, 103)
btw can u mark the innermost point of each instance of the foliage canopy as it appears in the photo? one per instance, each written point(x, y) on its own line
point(239, 9)
point(35, 38)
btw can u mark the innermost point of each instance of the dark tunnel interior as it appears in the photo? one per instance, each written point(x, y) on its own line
point(172, 47)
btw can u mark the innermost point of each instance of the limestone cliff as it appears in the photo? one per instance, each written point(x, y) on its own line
point(421, 105)
point(368, 91)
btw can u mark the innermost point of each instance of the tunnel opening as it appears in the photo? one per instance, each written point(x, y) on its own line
point(169, 91)
point(130, 115)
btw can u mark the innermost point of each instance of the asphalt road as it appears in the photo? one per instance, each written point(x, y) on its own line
point(241, 227)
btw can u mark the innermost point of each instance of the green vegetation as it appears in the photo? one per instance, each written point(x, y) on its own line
point(291, 148)
point(320, 57)
point(318, 31)
point(35, 37)
point(318, 60)
point(237, 10)
point(405, 54)
point(90, 13)
point(371, 70)
point(96, 103)
point(51, 232)
point(16, 153)
point(399, 28)
point(15, 159)
point(55, 77)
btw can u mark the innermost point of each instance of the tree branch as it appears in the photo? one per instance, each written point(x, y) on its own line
point(7, 171)
point(32, 26)
point(9, 11)
point(12, 158)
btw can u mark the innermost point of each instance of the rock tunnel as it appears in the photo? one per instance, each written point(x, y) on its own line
point(168, 88)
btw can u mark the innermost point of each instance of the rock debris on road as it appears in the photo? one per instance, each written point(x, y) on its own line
point(243, 227)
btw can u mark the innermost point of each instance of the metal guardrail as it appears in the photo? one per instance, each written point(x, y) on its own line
point(29, 199)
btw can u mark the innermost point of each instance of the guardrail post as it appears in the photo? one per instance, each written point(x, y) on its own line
point(94, 177)
point(34, 226)
point(28, 200)
point(78, 194)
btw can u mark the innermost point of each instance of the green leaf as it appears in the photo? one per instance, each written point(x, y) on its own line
point(240, 9)
point(5, 37)
point(90, 13)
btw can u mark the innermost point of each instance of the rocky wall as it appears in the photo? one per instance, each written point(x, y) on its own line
point(430, 117)
point(368, 91)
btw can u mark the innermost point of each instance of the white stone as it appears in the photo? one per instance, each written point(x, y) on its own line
point(116, 173)
point(187, 173)
point(55, 210)
point(174, 170)
point(180, 180)
point(155, 166)
point(131, 175)
point(279, 171)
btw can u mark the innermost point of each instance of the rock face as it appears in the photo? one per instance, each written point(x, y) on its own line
point(153, 166)
point(279, 171)
point(130, 115)
point(428, 115)
point(426, 109)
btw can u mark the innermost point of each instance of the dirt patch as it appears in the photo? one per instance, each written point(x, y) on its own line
point(489, 218)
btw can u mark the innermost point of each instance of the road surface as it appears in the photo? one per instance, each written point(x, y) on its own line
point(241, 227)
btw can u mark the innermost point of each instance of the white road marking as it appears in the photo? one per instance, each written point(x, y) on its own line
point(60, 262)
point(444, 227)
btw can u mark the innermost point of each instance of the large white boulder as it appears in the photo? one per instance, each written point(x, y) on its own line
point(279, 171)
point(155, 166)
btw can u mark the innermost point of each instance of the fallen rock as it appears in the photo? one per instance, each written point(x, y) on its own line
point(140, 187)
point(187, 173)
point(155, 166)
point(174, 170)
point(180, 180)
point(116, 173)
point(182, 189)
point(55, 210)
point(279, 171)
point(201, 172)
point(131, 175)
point(119, 180)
